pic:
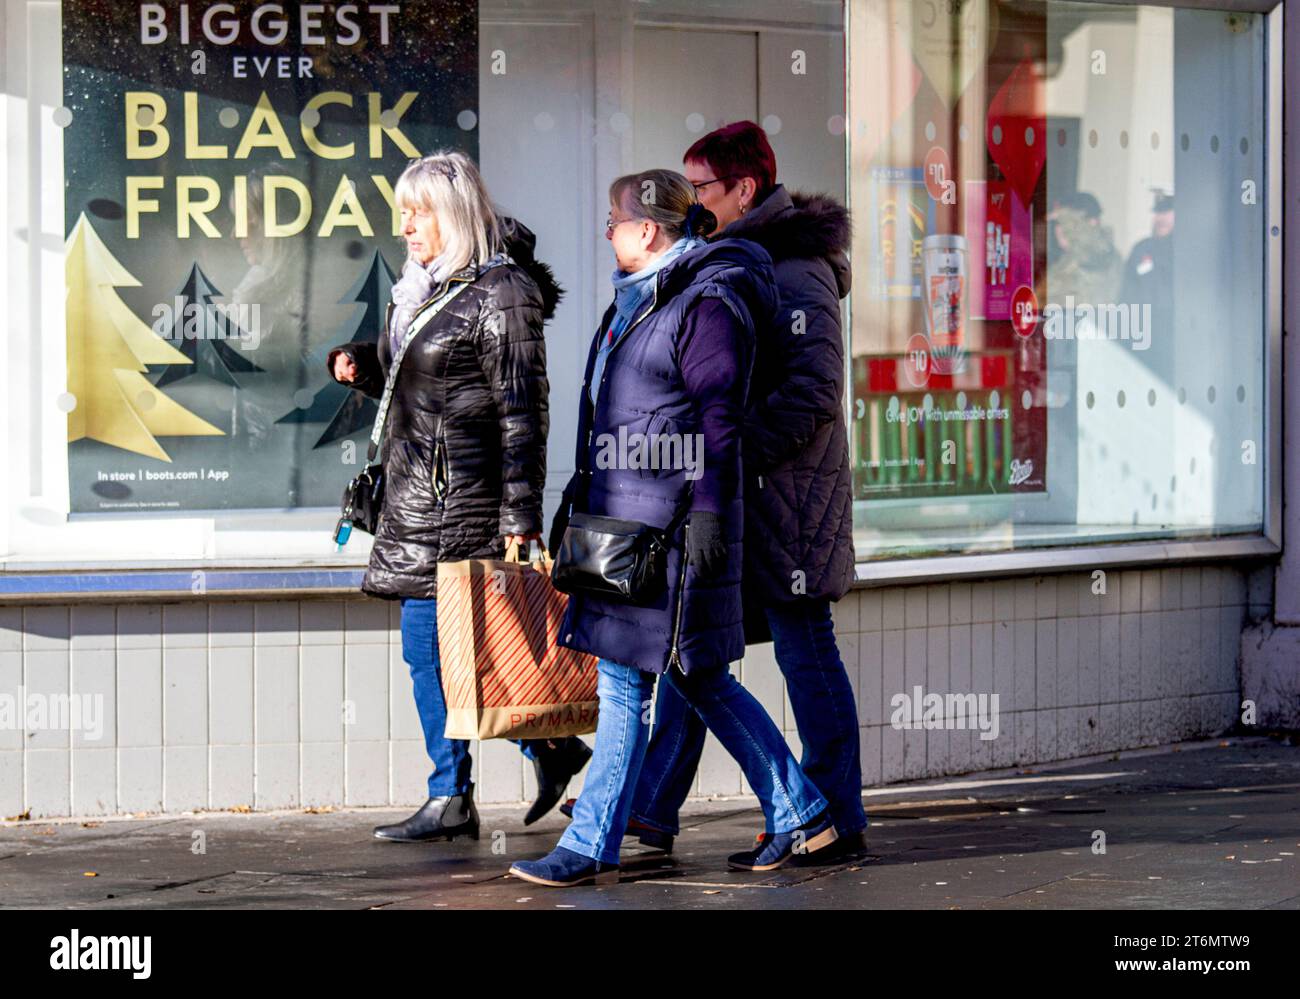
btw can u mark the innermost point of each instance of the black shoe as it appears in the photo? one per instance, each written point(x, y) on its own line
point(773, 850)
point(555, 768)
point(646, 835)
point(445, 817)
point(845, 849)
point(649, 836)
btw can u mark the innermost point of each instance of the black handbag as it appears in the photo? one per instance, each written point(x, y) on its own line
point(622, 560)
point(363, 498)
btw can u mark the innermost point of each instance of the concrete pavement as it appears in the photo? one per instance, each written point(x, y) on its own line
point(1212, 824)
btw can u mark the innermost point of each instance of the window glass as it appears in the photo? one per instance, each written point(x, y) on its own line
point(1059, 274)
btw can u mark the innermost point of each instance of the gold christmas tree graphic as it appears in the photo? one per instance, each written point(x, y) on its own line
point(108, 348)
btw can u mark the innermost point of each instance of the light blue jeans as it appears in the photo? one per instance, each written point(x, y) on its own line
point(824, 710)
point(729, 711)
point(450, 757)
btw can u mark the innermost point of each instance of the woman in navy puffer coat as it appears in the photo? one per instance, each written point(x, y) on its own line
point(677, 381)
point(798, 503)
point(673, 357)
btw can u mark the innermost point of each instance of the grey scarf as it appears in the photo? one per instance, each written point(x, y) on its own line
point(411, 291)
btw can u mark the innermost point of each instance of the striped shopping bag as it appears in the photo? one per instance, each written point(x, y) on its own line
point(503, 675)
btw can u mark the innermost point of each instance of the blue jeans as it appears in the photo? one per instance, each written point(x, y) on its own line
point(824, 711)
point(601, 812)
point(451, 759)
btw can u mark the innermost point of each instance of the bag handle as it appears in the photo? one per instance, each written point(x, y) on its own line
point(680, 512)
point(514, 553)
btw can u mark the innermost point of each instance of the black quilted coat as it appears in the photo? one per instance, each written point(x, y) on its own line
point(465, 452)
point(798, 495)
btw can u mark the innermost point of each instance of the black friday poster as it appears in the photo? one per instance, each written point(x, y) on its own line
point(229, 217)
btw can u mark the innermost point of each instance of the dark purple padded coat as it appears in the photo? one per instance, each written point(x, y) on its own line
point(798, 495)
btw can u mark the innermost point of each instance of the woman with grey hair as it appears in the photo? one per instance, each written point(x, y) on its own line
point(465, 452)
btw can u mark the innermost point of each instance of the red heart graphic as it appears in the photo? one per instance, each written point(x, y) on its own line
point(1016, 130)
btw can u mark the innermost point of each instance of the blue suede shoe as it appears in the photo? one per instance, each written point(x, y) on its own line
point(846, 849)
point(563, 868)
point(772, 850)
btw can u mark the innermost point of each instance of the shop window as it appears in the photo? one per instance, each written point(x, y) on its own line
point(1059, 303)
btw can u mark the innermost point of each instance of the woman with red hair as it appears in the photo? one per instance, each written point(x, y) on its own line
point(798, 544)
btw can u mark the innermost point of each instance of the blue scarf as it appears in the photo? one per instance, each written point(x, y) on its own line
point(631, 293)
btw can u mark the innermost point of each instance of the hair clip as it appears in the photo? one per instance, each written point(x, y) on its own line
point(691, 223)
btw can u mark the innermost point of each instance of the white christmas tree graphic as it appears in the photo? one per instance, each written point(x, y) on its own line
point(108, 348)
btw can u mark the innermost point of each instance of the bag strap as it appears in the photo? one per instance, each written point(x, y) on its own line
point(425, 315)
point(680, 513)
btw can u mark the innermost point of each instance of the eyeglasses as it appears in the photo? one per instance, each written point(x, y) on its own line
point(611, 223)
point(705, 183)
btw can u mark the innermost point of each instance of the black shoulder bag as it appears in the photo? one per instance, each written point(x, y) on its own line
point(622, 560)
point(363, 499)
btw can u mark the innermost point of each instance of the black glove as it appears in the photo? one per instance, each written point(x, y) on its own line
point(707, 550)
point(561, 520)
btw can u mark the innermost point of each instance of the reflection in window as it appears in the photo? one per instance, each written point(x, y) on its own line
point(1059, 273)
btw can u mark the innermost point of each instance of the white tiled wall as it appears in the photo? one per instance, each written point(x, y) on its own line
point(225, 704)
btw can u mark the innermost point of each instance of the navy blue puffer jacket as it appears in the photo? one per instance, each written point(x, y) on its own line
point(697, 623)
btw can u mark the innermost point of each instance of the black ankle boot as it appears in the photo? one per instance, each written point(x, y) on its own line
point(554, 769)
point(445, 817)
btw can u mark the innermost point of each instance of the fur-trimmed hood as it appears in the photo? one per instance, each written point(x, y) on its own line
point(795, 226)
point(520, 243)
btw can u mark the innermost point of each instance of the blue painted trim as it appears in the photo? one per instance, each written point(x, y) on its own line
point(216, 581)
